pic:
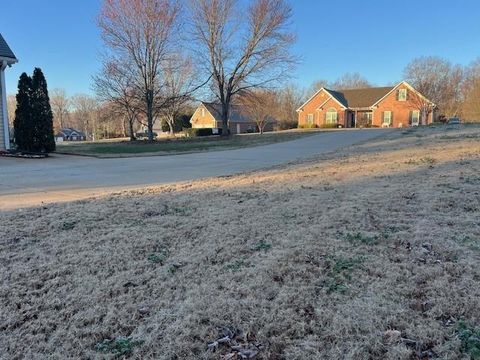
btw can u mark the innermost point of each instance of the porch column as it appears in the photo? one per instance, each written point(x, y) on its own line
point(3, 91)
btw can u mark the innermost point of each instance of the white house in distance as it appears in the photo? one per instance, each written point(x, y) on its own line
point(7, 58)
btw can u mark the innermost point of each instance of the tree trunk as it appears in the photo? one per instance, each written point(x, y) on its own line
point(225, 113)
point(130, 128)
point(149, 100)
point(171, 122)
point(124, 127)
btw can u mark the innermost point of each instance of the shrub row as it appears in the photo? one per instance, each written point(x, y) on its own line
point(191, 132)
point(307, 126)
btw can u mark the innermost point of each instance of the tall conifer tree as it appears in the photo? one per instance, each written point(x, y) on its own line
point(22, 124)
point(42, 116)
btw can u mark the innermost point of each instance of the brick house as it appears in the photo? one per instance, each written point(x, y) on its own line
point(394, 106)
point(7, 58)
point(207, 116)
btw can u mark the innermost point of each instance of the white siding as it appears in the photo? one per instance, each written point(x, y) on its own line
point(2, 131)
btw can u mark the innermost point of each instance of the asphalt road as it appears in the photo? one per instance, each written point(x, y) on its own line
point(64, 178)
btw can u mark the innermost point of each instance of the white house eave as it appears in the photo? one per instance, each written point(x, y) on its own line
point(8, 60)
point(300, 109)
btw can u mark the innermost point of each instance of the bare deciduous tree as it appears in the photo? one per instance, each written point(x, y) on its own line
point(179, 85)
point(60, 106)
point(140, 32)
point(111, 121)
point(471, 105)
point(261, 105)
point(350, 81)
point(114, 85)
point(248, 53)
point(86, 114)
point(438, 80)
point(471, 75)
point(317, 85)
point(471, 92)
point(291, 97)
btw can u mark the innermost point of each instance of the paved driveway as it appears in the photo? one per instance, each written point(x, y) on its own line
point(64, 178)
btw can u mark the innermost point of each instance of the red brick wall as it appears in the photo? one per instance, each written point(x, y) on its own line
point(401, 110)
point(319, 115)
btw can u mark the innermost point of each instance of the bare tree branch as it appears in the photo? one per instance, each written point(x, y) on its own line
point(242, 57)
point(141, 33)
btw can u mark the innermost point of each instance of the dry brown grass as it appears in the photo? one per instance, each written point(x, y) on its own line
point(314, 261)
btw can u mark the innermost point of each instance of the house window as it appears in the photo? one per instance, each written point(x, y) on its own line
point(310, 119)
point(415, 117)
point(402, 95)
point(331, 116)
point(387, 118)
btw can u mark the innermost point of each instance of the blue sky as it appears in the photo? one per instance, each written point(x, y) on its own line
point(376, 38)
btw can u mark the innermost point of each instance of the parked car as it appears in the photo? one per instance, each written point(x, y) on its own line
point(453, 121)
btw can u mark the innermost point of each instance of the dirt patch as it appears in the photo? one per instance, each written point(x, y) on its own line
point(370, 253)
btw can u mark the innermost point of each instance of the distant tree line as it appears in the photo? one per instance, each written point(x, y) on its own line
point(163, 55)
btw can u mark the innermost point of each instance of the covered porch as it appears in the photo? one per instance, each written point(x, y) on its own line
point(361, 117)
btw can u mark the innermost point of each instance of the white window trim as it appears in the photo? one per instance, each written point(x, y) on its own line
point(389, 123)
point(402, 91)
point(310, 119)
point(417, 113)
point(329, 118)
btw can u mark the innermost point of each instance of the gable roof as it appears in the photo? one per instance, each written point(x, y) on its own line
point(6, 52)
point(431, 103)
point(67, 132)
point(236, 113)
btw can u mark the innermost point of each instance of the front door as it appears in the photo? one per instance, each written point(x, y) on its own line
point(351, 119)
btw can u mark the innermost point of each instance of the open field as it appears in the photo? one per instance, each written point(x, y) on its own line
point(368, 253)
point(178, 145)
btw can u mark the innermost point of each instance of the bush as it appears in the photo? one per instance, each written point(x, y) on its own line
point(286, 124)
point(307, 126)
point(191, 132)
point(328, 126)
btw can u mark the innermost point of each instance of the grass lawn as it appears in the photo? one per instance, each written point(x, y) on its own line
point(179, 145)
point(369, 253)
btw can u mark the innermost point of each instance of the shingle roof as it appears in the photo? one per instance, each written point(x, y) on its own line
point(236, 113)
point(5, 50)
point(68, 132)
point(359, 98)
